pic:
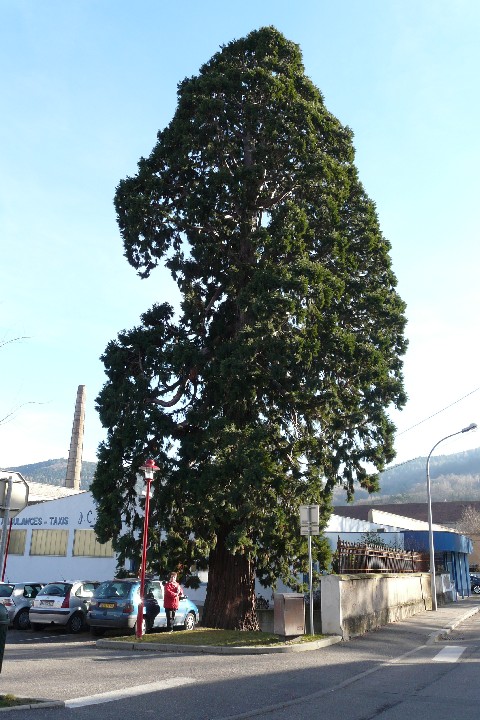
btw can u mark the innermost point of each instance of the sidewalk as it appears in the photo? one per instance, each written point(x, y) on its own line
point(441, 622)
point(433, 625)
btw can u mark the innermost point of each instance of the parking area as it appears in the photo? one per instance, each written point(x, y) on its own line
point(55, 634)
point(58, 634)
point(392, 660)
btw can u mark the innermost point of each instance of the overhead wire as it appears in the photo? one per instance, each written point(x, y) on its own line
point(405, 462)
point(438, 412)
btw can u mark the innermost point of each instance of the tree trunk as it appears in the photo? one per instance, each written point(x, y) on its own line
point(230, 601)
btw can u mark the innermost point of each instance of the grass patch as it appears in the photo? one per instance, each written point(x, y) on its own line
point(7, 701)
point(219, 638)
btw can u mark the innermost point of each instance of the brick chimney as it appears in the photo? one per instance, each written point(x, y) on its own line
point(74, 466)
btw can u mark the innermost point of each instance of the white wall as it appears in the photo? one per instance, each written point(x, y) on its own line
point(70, 513)
point(405, 523)
point(354, 604)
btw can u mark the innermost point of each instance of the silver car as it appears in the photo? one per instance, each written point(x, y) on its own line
point(65, 602)
point(17, 599)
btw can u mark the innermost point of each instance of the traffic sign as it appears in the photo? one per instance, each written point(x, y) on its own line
point(309, 519)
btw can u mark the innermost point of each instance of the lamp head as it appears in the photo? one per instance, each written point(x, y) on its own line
point(472, 426)
point(148, 468)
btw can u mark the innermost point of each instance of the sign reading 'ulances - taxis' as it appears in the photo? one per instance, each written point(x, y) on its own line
point(52, 521)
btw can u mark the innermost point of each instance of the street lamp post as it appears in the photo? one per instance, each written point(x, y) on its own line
point(148, 469)
point(472, 426)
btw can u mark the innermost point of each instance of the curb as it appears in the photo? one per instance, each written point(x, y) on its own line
point(440, 634)
point(35, 706)
point(220, 650)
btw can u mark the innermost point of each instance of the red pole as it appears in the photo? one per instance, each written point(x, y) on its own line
point(139, 629)
point(6, 549)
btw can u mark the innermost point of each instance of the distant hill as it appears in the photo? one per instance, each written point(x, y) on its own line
point(53, 472)
point(454, 477)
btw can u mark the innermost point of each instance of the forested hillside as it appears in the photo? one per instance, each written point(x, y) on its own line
point(454, 477)
point(53, 472)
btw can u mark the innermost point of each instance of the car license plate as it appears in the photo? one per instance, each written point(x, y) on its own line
point(106, 605)
point(46, 602)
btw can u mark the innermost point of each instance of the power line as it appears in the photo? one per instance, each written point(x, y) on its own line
point(405, 462)
point(438, 412)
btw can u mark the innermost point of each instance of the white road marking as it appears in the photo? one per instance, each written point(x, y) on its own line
point(449, 654)
point(128, 692)
point(127, 656)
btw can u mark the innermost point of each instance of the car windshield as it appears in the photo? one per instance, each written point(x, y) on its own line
point(113, 589)
point(60, 589)
point(6, 590)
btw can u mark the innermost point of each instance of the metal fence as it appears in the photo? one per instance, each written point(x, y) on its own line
point(370, 558)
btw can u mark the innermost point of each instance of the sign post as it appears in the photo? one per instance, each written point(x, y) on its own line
point(310, 525)
point(13, 498)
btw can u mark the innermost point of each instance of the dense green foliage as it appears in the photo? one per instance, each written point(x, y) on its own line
point(271, 384)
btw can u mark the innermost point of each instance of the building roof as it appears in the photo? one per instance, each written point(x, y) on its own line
point(443, 513)
point(43, 492)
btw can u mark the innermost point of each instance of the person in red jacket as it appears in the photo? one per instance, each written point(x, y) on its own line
point(171, 596)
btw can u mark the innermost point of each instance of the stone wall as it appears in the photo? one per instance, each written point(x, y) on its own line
point(354, 604)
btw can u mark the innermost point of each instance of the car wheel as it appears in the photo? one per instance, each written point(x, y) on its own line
point(476, 589)
point(76, 623)
point(97, 631)
point(21, 621)
point(189, 623)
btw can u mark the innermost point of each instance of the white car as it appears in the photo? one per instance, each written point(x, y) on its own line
point(17, 599)
point(65, 602)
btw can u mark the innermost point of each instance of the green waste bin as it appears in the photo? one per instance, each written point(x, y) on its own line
point(4, 621)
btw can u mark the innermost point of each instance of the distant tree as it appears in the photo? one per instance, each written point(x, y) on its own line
point(372, 538)
point(470, 521)
point(378, 539)
point(271, 385)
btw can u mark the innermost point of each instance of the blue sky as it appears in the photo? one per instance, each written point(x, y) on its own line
point(86, 85)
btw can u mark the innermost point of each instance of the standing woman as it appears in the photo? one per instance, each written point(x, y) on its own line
point(171, 595)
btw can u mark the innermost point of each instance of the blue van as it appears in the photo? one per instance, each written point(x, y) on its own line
point(115, 605)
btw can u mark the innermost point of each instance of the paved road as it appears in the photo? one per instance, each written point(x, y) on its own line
point(388, 674)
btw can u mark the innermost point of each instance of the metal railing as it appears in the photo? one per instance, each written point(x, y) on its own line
point(371, 558)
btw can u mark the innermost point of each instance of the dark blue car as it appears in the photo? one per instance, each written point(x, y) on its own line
point(475, 584)
point(115, 605)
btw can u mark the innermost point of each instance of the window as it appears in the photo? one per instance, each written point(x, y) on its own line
point(49, 542)
point(155, 589)
point(6, 590)
point(31, 591)
point(85, 543)
point(17, 542)
point(60, 589)
point(86, 590)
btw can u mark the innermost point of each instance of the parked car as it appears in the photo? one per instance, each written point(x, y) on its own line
point(63, 603)
point(17, 598)
point(475, 584)
point(115, 605)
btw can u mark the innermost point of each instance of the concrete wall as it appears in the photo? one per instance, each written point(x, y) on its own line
point(353, 604)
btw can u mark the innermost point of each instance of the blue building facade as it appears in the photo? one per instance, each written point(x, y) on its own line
point(451, 554)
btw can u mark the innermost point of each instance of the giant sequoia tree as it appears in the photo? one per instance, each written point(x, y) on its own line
point(271, 383)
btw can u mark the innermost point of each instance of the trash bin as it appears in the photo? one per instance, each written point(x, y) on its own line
point(4, 621)
point(288, 614)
